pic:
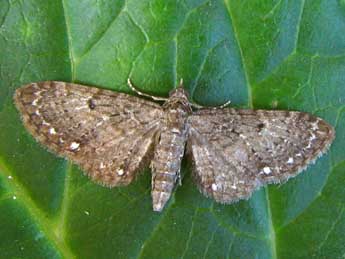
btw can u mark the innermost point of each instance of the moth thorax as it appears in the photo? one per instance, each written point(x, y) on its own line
point(176, 118)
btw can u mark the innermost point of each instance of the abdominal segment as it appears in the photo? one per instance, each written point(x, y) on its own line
point(166, 165)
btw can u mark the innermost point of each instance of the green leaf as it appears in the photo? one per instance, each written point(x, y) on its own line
point(258, 54)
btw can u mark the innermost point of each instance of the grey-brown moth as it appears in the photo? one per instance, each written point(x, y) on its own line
point(112, 136)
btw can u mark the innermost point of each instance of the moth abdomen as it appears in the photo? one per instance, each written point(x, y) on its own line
point(165, 167)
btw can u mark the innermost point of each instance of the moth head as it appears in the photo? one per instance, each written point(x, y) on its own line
point(178, 95)
point(179, 92)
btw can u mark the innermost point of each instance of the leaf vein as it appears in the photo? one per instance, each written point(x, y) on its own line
point(190, 234)
point(272, 233)
point(210, 241)
point(40, 219)
point(69, 37)
point(231, 229)
point(249, 89)
point(202, 65)
point(336, 221)
point(103, 32)
point(2, 21)
point(299, 23)
point(230, 247)
point(60, 226)
point(156, 227)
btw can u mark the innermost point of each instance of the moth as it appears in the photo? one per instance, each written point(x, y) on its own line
point(113, 136)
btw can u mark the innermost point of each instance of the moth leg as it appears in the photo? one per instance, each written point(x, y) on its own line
point(135, 89)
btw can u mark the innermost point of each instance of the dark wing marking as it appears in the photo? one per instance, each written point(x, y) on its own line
point(236, 151)
point(109, 135)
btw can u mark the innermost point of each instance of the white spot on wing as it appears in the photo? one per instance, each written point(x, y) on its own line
point(316, 125)
point(290, 160)
point(99, 123)
point(174, 130)
point(45, 123)
point(81, 107)
point(214, 187)
point(267, 170)
point(242, 136)
point(101, 165)
point(34, 102)
point(52, 131)
point(74, 146)
point(120, 172)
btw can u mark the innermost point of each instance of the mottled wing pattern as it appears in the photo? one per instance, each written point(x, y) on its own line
point(109, 135)
point(236, 151)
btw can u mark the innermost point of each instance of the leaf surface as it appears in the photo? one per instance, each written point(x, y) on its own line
point(258, 54)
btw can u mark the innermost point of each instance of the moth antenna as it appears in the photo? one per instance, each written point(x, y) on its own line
point(135, 89)
point(222, 105)
point(181, 82)
point(198, 106)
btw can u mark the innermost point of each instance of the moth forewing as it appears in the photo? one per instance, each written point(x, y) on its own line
point(109, 135)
